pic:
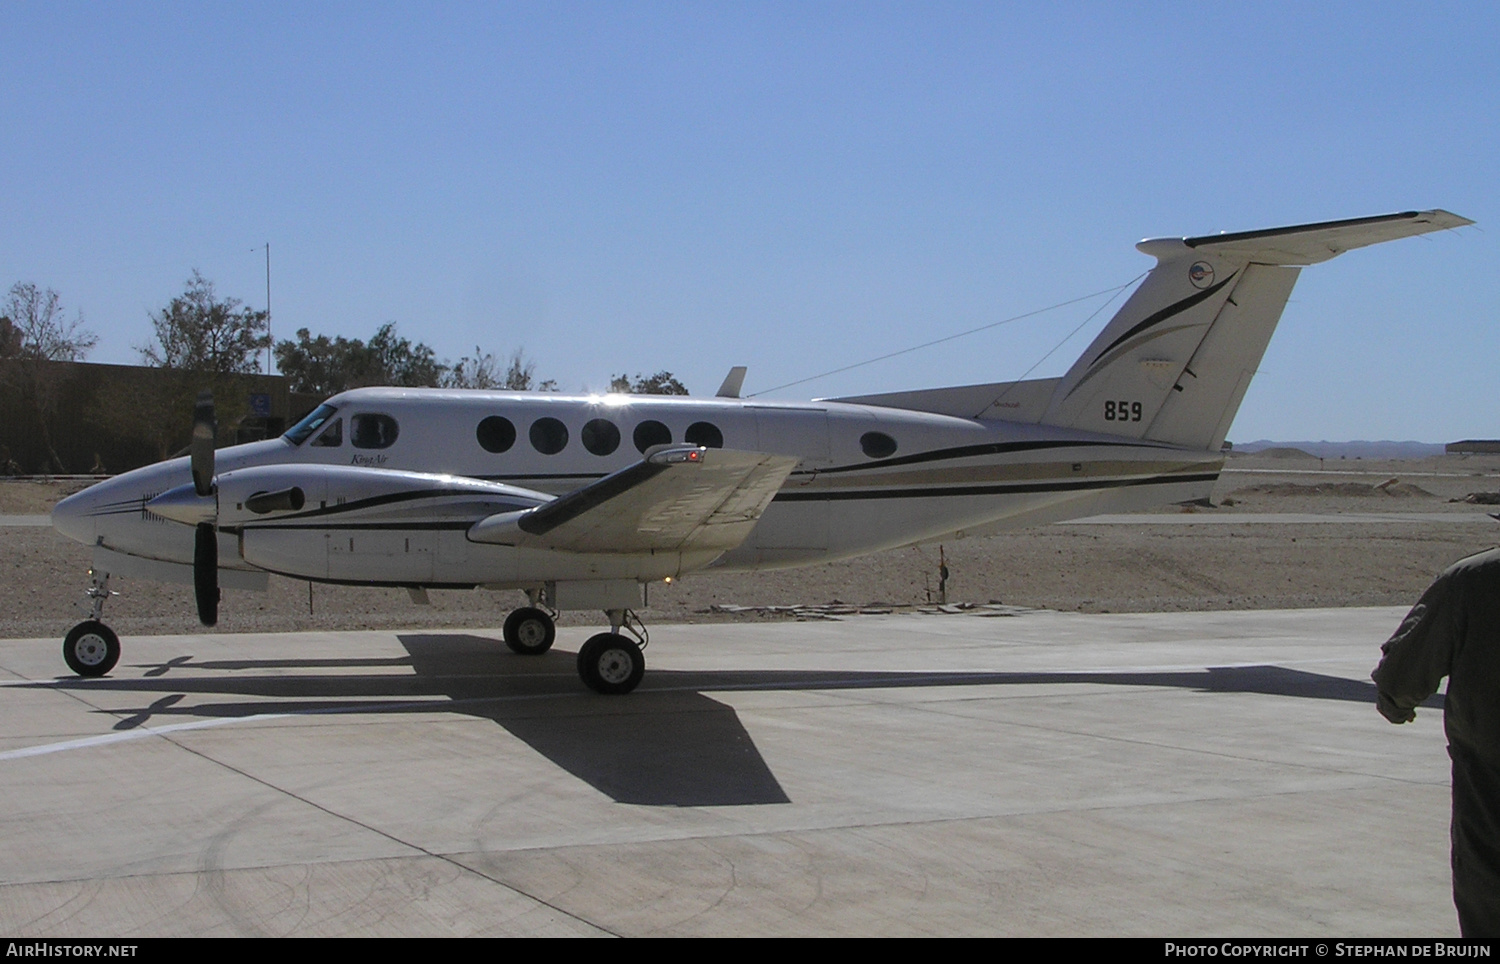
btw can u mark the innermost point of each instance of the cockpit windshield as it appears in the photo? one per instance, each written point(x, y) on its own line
point(298, 433)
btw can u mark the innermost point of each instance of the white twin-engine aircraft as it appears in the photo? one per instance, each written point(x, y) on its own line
point(582, 501)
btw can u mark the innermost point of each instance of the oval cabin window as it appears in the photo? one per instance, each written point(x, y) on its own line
point(496, 434)
point(877, 445)
point(600, 436)
point(650, 433)
point(549, 436)
point(705, 434)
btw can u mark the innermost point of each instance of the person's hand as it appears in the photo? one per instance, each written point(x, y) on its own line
point(1388, 709)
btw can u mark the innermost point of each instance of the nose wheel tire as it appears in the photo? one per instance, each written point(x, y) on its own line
point(611, 664)
point(529, 631)
point(91, 649)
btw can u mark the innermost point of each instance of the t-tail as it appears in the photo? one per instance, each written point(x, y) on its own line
point(1174, 363)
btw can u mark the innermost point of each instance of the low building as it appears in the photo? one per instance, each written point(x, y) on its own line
point(1474, 446)
point(82, 417)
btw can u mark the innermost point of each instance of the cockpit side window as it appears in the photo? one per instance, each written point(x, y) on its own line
point(332, 436)
point(310, 423)
point(368, 431)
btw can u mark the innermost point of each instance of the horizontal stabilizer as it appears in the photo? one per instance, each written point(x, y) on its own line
point(1304, 244)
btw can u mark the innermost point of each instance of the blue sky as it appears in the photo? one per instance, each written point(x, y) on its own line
point(631, 187)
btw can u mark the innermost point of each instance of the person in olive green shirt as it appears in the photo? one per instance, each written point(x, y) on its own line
point(1454, 631)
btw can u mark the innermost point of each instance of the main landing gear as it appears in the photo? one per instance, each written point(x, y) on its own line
point(610, 663)
point(92, 648)
point(529, 631)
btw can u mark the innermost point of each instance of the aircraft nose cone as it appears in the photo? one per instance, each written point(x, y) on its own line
point(71, 517)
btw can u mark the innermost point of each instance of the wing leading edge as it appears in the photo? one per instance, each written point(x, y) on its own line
point(679, 499)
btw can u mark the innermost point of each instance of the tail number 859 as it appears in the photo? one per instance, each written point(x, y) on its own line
point(1122, 411)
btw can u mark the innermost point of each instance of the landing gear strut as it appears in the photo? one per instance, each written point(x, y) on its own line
point(92, 648)
point(611, 663)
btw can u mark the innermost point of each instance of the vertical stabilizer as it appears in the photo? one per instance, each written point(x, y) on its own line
point(1173, 365)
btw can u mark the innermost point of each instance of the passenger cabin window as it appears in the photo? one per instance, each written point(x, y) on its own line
point(372, 431)
point(310, 423)
point(549, 436)
point(705, 434)
point(496, 434)
point(600, 436)
point(877, 445)
point(650, 433)
point(332, 436)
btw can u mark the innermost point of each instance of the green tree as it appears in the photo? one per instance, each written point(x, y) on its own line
point(10, 338)
point(198, 332)
point(396, 361)
point(483, 371)
point(322, 365)
point(662, 383)
point(33, 326)
point(35, 335)
point(327, 366)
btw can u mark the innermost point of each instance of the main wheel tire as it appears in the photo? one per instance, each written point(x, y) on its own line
point(529, 631)
point(611, 664)
point(91, 649)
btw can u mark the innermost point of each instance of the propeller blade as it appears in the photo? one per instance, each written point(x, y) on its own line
point(205, 429)
point(206, 572)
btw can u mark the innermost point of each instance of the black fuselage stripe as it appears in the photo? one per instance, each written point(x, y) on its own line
point(540, 475)
point(312, 526)
point(394, 497)
point(929, 492)
point(976, 451)
point(1021, 488)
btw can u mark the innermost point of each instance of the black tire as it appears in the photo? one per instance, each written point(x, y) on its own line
point(529, 631)
point(611, 664)
point(91, 649)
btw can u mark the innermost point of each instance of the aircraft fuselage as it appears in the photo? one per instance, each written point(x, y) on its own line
point(867, 478)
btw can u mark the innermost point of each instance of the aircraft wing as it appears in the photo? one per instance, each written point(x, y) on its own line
point(679, 499)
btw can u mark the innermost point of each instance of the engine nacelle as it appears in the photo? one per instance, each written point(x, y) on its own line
point(347, 523)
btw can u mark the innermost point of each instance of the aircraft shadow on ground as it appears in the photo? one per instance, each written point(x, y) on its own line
point(668, 744)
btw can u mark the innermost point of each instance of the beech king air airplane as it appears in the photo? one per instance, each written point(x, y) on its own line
point(583, 501)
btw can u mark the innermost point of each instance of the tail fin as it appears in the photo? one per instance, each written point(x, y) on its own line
point(1174, 363)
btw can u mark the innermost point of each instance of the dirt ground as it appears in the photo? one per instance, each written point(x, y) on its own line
point(1089, 568)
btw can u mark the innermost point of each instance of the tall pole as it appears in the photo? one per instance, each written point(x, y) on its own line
point(269, 341)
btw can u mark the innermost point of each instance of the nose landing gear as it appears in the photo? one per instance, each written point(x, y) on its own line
point(92, 648)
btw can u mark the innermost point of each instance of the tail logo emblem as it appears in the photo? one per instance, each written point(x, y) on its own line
point(1201, 274)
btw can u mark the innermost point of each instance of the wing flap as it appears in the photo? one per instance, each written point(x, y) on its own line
point(677, 499)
